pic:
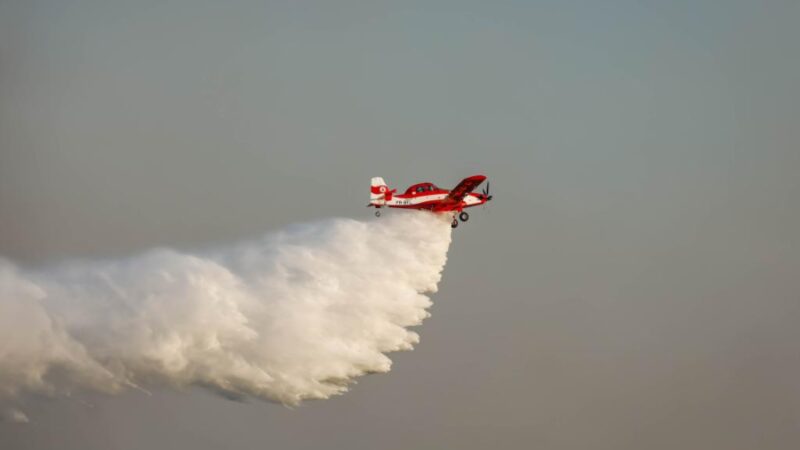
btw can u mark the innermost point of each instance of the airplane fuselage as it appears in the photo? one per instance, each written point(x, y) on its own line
point(432, 201)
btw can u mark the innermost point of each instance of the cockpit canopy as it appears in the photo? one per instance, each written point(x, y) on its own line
point(421, 188)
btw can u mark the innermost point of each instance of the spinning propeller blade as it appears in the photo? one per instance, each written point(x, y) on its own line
point(486, 192)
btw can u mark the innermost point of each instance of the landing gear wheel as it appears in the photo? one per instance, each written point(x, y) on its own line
point(463, 216)
point(377, 213)
point(454, 223)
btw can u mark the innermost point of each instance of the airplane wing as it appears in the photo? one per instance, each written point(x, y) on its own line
point(466, 186)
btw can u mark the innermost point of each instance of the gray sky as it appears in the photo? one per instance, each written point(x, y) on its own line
point(633, 284)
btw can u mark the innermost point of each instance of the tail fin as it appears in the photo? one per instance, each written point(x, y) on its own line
point(379, 192)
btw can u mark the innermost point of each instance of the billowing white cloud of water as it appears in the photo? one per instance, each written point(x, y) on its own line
point(295, 315)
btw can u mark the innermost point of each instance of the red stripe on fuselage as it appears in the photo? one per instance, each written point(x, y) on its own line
point(439, 205)
point(422, 194)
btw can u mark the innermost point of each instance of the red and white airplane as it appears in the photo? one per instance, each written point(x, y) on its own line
point(429, 197)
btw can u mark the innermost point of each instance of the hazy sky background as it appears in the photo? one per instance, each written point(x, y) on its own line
point(634, 284)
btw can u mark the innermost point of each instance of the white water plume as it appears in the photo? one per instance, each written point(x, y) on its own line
point(295, 315)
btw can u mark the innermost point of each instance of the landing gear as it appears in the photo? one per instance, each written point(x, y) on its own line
point(454, 223)
point(377, 213)
point(463, 216)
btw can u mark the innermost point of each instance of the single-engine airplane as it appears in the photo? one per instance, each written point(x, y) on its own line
point(429, 197)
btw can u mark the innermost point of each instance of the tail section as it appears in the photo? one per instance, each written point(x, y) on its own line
point(379, 192)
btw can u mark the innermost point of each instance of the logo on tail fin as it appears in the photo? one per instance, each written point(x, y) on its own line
point(379, 192)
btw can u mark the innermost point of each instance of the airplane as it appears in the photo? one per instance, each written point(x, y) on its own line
point(429, 197)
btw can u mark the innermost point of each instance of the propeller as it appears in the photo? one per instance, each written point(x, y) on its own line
point(486, 192)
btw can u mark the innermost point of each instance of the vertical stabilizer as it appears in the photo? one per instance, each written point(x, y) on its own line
point(379, 192)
